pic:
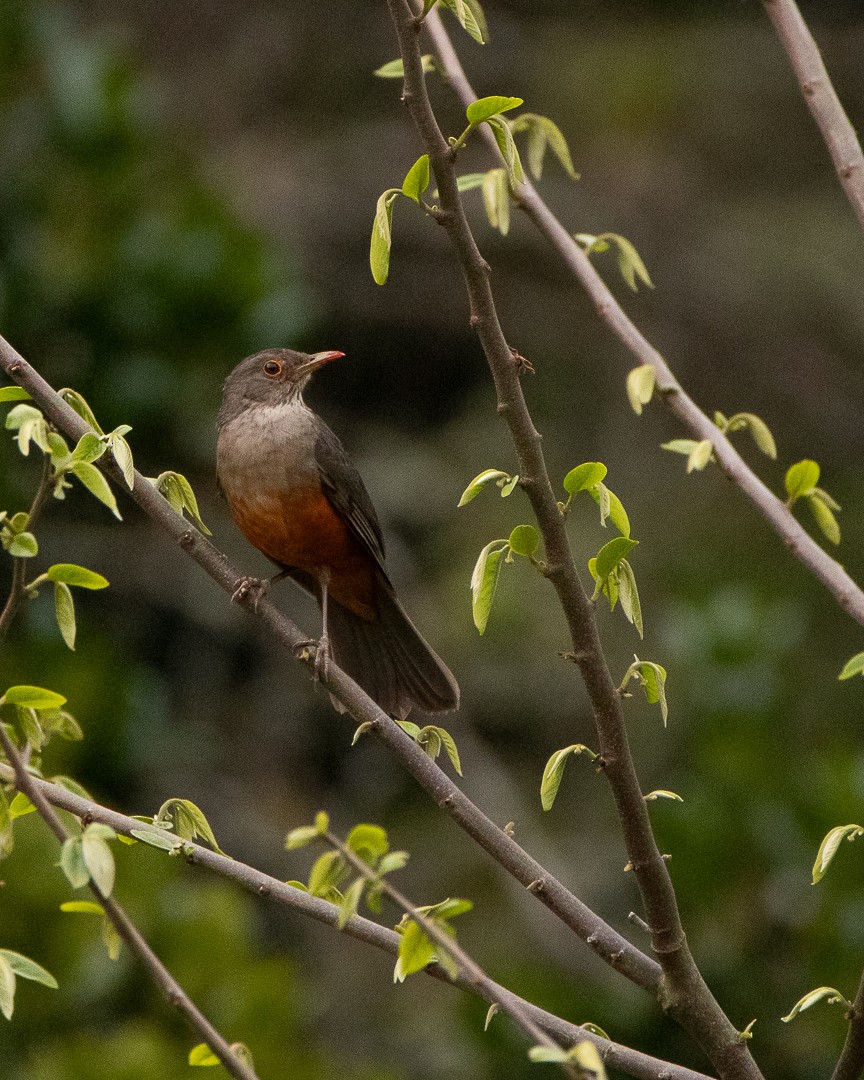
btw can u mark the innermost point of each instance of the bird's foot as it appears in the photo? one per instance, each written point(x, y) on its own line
point(322, 655)
point(251, 586)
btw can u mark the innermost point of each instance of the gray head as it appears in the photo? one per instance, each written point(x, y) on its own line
point(271, 377)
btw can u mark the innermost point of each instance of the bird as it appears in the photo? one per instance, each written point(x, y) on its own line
point(295, 494)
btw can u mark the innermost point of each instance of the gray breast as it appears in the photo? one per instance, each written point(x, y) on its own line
point(267, 446)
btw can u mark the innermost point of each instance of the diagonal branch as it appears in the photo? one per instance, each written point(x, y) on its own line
point(847, 593)
point(255, 881)
point(616, 950)
point(161, 976)
point(821, 98)
point(683, 992)
point(850, 1064)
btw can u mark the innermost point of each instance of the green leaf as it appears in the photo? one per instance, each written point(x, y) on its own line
point(800, 478)
point(20, 806)
point(554, 772)
point(417, 179)
point(680, 446)
point(13, 393)
point(350, 902)
point(479, 482)
point(395, 69)
point(99, 860)
point(758, 429)
point(504, 138)
point(64, 610)
point(96, 484)
point(616, 512)
point(830, 844)
point(28, 720)
point(72, 862)
point(189, 821)
point(507, 489)
point(202, 1055)
point(662, 793)
point(483, 108)
point(415, 952)
point(33, 697)
point(584, 477)
point(824, 516)
point(88, 448)
point(469, 181)
point(611, 554)
point(393, 860)
point(640, 386)
point(628, 594)
point(496, 199)
point(543, 133)
point(470, 16)
point(382, 232)
point(300, 837)
point(23, 545)
point(490, 1012)
point(156, 839)
point(178, 491)
point(855, 666)
point(25, 968)
point(111, 938)
point(823, 993)
point(450, 746)
point(523, 540)
point(548, 1055)
point(484, 581)
point(122, 453)
point(7, 988)
point(70, 574)
point(82, 907)
point(586, 1057)
point(73, 398)
point(700, 455)
point(652, 679)
point(326, 874)
point(369, 842)
point(322, 822)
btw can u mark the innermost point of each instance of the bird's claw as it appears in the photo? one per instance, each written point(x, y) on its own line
point(250, 586)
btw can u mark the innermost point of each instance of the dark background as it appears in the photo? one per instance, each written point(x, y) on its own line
point(183, 184)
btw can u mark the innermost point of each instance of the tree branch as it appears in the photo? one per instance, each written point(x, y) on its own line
point(821, 98)
point(616, 950)
point(161, 976)
point(255, 881)
point(683, 992)
point(850, 1064)
point(798, 541)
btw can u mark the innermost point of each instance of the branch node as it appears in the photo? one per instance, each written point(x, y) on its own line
point(537, 886)
point(187, 539)
point(640, 922)
point(263, 890)
point(13, 368)
point(474, 321)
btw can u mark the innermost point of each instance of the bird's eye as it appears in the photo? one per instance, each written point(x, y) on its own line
point(273, 368)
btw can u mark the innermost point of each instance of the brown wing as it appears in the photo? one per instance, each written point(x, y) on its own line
point(347, 494)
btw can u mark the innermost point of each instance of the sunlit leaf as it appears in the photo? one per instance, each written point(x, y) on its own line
point(800, 478)
point(830, 844)
point(483, 108)
point(823, 993)
point(584, 477)
point(640, 386)
point(479, 482)
point(484, 580)
point(554, 772)
point(417, 179)
point(524, 540)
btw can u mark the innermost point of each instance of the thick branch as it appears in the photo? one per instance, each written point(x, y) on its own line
point(161, 976)
point(821, 98)
point(606, 942)
point(684, 992)
point(255, 881)
point(850, 1064)
point(799, 542)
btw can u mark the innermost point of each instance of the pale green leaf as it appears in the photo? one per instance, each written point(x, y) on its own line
point(615, 512)
point(470, 17)
point(700, 455)
point(524, 540)
point(504, 138)
point(82, 907)
point(483, 108)
point(382, 230)
point(99, 860)
point(300, 837)
point(662, 793)
point(823, 993)
point(33, 697)
point(830, 844)
point(484, 580)
point(758, 429)
point(415, 952)
point(64, 610)
point(824, 516)
point(73, 398)
point(417, 179)
point(369, 842)
point(628, 594)
point(395, 69)
point(584, 477)
point(800, 478)
point(479, 482)
point(23, 545)
point(155, 839)
point(25, 968)
point(20, 806)
point(70, 574)
point(855, 666)
point(469, 181)
point(611, 554)
point(13, 393)
point(496, 199)
point(96, 484)
point(680, 446)
point(7, 988)
point(72, 862)
point(640, 386)
point(202, 1055)
point(554, 772)
point(350, 902)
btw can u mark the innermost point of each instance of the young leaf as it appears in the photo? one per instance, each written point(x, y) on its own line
point(469, 181)
point(504, 138)
point(523, 540)
point(96, 484)
point(855, 666)
point(300, 837)
point(824, 516)
point(70, 574)
point(369, 842)
point(350, 902)
point(7, 988)
point(122, 453)
point(628, 594)
point(490, 1012)
point(72, 863)
point(326, 874)
point(395, 69)
point(189, 821)
point(202, 1055)
point(64, 609)
point(82, 907)
point(758, 429)
point(800, 478)
point(393, 860)
point(543, 133)
point(13, 393)
point(479, 482)
point(496, 199)
point(615, 511)
point(680, 446)
point(584, 477)
point(33, 697)
point(652, 679)
point(450, 746)
point(382, 230)
point(823, 993)
point(640, 386)
point(470, 16)
point(611, 554)
point(586, 1057)
point(156, 839)
point(830, 844)
point(178, 491)
point(415, 952)
point(484, 580)
point(548, 1055)
point(662, 793)
point(700, 455)
point(99, 860)
point(25, 968)
point(73, 398)
point(20, 806)
point(88, 448)
point(554, 772)
point(483, 108)
point(417, 179)
point(23, 546)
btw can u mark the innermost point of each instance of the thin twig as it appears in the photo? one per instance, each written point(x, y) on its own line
point(124, 926)
point(821, 98)
point(798, 541)
point(255, 881)
point(18, 591)
point(603, 939)
point(684, 993)
point(850, 1064)
point(468, 968)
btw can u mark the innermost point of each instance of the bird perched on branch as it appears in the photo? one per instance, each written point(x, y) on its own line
point(294, 493)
